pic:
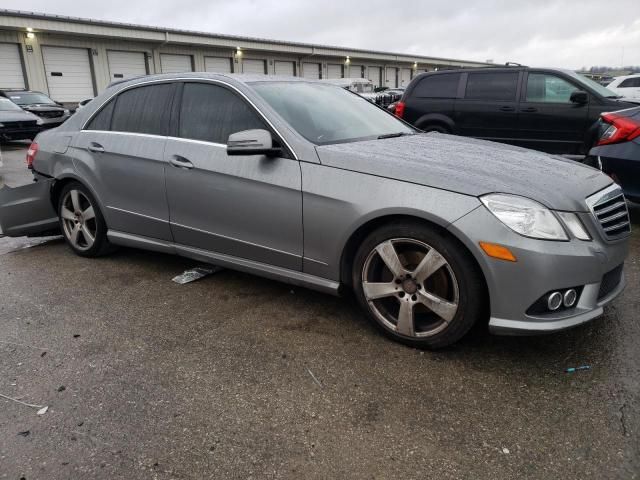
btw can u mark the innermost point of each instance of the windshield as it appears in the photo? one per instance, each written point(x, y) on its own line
point(7, 105)
point(326, 114)
point(30, 98)
point(605, 92)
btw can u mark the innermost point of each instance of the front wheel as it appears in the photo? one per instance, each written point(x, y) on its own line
point(81, 221)
point(418, 285)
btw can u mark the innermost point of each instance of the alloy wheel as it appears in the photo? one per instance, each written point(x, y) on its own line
point(78, 220)
point(410, 287)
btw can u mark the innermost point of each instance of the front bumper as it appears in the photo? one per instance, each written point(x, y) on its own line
point(542, 266)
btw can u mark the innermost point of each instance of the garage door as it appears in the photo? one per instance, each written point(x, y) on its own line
point(68, 73)
point(217, 64)
point(357, 71)
point(170, 63)
point(334, 71)
point(11, 75)
point(253, 66)
point(126, 64)
point(285, 68)
point(311, 70)
point(375, 75)
point(390, 77)
point(405, 76)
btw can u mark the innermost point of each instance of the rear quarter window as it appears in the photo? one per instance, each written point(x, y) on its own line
point(102, 120)
point(438, 86)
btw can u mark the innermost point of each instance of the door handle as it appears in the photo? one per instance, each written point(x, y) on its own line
point(181, 162)
point(95, 147)
point(507, 108)
point(529, 110)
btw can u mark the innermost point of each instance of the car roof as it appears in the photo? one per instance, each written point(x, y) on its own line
point(244, 78)
point(19, 90)
point(623, 77)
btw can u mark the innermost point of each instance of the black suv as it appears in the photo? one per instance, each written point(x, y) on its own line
point(51, 113)
point(546, 109)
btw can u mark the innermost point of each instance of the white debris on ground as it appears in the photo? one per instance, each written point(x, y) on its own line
point(8, 244)
point(196, 273)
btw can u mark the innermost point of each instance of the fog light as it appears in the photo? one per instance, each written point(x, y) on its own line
point(570, 297)
point(554, 301)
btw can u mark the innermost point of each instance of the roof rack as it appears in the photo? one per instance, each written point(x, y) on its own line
point(513, 64)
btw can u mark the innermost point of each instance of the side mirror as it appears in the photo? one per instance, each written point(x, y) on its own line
point(252, 142)
point(580, 97)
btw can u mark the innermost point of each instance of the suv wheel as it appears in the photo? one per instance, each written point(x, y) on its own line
point(436, 128)
point(81, 221)
point(418, 285)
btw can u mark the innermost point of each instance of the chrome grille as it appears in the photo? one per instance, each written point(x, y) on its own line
point(609, 208)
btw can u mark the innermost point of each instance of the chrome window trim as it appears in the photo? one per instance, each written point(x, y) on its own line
point(189, 79)
point(111, 132)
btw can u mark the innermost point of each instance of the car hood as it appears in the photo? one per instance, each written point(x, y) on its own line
point(17, 116)
point(471, 167)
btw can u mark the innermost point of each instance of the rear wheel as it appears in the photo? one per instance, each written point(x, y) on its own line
point(418, 285)
point(81, 221)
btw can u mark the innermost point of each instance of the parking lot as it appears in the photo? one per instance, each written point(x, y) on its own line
point(235, 376)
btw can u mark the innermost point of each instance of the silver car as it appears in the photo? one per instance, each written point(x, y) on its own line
point(432, 232)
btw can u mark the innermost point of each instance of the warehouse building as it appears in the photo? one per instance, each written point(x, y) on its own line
point(73, 59)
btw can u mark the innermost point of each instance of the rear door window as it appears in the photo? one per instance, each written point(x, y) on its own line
point(546, 88)
point(497, 86)
point(438, 86)
point(144, 110)
point(211, 113)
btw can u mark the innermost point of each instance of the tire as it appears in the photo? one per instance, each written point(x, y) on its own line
point(449, 273)
point(436, 128)
point(81, 221)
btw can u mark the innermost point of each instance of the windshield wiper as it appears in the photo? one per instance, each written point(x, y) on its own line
point(393, 135)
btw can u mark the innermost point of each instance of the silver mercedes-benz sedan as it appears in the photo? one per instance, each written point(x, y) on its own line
point(304, 182)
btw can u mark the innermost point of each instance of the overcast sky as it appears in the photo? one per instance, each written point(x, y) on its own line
point(569, 33)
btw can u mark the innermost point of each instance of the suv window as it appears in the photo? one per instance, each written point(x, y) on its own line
point(102, 121)
point(630, 82)
point(543, 87)
point(500, 86)
point(144, 110)
point(211, 113)
point(438, 86)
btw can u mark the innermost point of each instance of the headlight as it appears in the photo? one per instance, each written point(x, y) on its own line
point(66, 112)
point(39, 121)
point(574, 225)
point(525, 216)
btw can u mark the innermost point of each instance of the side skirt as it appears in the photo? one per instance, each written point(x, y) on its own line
point(280, 274)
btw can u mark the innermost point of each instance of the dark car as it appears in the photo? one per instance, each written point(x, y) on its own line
point(551, 110)
point(15, 123)
point(618, 149)
point(52, 114)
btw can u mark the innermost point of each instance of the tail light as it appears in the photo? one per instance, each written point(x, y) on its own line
point(399, 109)
point(621, 129)
point(31, 155)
